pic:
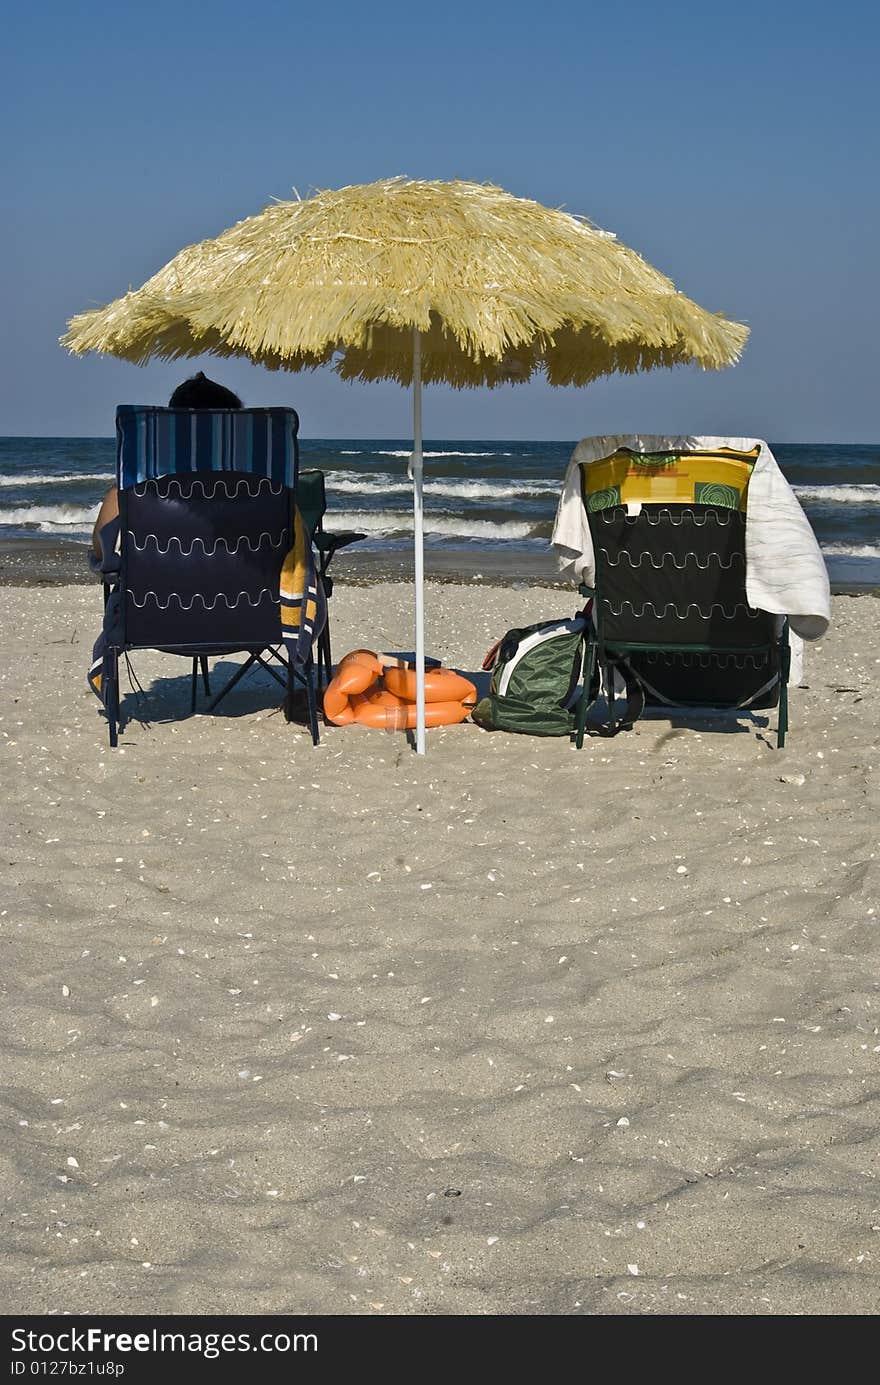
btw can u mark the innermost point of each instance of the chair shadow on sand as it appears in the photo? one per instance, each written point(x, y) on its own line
point(718, 721)
point(723, 720)
point(166, 700)
point(703, 719)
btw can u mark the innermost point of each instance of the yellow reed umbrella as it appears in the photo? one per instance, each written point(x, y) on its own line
point(416, 282)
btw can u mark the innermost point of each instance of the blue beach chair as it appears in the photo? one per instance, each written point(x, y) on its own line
point(207, 503)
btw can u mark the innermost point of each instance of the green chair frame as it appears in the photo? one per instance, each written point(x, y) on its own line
point(598, 653)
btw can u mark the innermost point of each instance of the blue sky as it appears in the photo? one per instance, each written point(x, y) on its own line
point(736, 147)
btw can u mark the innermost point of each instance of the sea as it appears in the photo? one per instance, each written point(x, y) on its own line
point(490, 498)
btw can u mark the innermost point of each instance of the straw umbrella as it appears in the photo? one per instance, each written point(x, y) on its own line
point(418, 282)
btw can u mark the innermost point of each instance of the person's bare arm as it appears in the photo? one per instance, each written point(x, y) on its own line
point(109, 510)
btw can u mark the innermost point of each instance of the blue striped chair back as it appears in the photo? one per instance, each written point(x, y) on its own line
point(153, 442)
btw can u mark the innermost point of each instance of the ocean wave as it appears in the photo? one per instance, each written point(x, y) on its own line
point(24, 481)
point(407, 452)
point(486, 490)
point(49, 516)
point(387, 522)
point(851, 550)
point(377, 483)
point(840, 495)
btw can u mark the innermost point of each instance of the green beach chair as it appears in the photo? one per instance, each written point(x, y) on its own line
point(671, 620)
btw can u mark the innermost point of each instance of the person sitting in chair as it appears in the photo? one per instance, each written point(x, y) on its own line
point(196, 393)
point(302, 598)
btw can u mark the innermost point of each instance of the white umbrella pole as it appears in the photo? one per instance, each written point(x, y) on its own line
point(419, 540)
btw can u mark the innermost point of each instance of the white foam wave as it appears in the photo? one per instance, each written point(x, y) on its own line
point(49, 516)
point(376, 483)
point(851, 550)
point(407, 452)
point(27, 481)
point(387, 522)
point(840, 495)
point(485, 490)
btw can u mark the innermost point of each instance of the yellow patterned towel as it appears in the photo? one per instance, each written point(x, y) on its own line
point(303, 603)
point(718, 477)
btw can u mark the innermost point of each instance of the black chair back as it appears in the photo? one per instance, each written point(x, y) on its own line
point(671, 596)
point(201, 558)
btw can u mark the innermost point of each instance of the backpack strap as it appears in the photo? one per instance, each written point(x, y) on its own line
point(490, 657)
point(635, 700)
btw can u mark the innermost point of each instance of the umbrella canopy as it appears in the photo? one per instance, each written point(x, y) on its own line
point(415, 281)
point(499, 287)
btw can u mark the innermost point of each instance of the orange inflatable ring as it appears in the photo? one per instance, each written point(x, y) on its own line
point(441, 685)
point(354, 674)
point(385, 712)
point(359, 693)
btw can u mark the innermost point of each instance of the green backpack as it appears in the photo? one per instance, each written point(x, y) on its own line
point(534, 686)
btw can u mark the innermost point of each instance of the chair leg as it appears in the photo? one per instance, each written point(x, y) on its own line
point(609, 670)
point(782, 724)
point(324, 644)
point(112, 700)
point(291, 685)
point(588, 667)
point(784, 672)
point(312, 701)
point(205, 679)
point(236, 678)
point(270, 669)
point(322, 664)
point(325, 658)
point(194, 683)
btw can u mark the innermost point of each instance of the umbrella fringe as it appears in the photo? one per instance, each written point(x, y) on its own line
point(499, 287)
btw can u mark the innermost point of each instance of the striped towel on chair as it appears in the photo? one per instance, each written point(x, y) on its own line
point(303, 602)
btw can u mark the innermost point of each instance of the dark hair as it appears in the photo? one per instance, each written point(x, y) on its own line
point(201, 393)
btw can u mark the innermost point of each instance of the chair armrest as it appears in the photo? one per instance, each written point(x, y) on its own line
point(108, 571)
point(329, 543)
point(108, 566)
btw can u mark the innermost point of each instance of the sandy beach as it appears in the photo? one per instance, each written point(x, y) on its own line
point(511, 1029)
